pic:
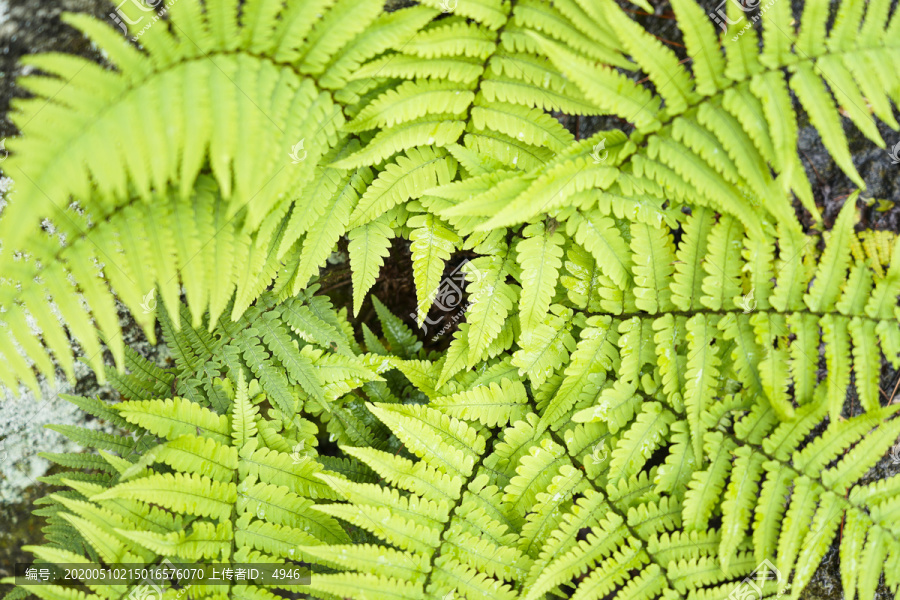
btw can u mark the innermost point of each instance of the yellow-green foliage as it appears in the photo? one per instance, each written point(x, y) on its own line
point(485, 485)
point(646, 396)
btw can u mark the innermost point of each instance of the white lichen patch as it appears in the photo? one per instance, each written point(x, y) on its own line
point(23, 435)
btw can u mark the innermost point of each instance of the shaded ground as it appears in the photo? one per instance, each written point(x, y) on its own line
point(28, 26)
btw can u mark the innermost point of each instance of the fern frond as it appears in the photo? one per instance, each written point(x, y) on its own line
point(369, 246)
point(432, 242)
point(174, 417)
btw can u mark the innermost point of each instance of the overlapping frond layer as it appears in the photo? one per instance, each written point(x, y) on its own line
point(512, 510)
point(639, 454)
point(687, 307)
point(192, 484)
point(635, 406)
point(723, 133)
point(475, 83)
point(208, 145)
point(217, 469)
point(469, 95)
point(224, 91)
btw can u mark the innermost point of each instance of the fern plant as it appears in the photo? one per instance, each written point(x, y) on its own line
point(217, 469)
point(254, 97)
point(677, 423)
point(217, 486)
point(471, 486)
point(634, 406)
point(218, 218)
point(718, 141)
point(301, 352)
point(496, 509)
point(717, 297)
point(710, 136)
point(416, 124)
point(722, 135)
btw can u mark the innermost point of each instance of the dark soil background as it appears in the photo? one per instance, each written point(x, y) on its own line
point(29, 26)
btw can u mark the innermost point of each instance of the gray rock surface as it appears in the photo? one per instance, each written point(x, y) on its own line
point(29, 26)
